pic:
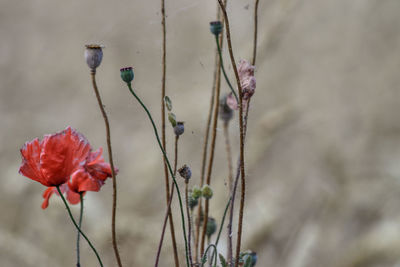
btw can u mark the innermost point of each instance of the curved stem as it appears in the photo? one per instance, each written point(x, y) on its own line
point(204, 258)
point(76, 225)
point(223, 69)
point(169, 168)
point(78, 258)
point(221, 226)
point(114, 179)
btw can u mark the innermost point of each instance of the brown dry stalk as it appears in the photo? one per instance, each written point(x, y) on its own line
point(114, 206)
point(167, 189)
point(212, 150)
point(217, 68)
point(228, 156)
point(253, 62)
point(242, 170)
point(168, 211)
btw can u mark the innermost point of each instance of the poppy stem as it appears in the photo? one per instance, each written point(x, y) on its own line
point(78, 256)
point(223, 69)
point(169, 168)
point(76, 225)
point(221, 226)
point(204, 258)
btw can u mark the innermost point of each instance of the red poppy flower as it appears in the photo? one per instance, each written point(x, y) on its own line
point(52, 160)
point(64, 159)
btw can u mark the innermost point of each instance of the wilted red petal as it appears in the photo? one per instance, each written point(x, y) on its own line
point(97, 167)
point(46, 195)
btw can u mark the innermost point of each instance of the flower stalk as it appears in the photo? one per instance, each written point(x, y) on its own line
point(78, 256)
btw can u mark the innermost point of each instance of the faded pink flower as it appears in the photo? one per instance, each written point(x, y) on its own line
point(247, 79)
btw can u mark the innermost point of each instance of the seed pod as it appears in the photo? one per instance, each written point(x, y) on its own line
point(127, 74)
point(196, 192)
point(179, 128)
point(225, 113)
point(193, 201)
point(216, 27)
point(93, 56)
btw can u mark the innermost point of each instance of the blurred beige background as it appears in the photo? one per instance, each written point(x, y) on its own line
point(323, 141)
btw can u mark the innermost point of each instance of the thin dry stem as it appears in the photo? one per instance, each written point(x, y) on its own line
point(163, 138)
point(189, 221)
point(228, 156)
point(114, 206)
point(168, 211)
point(242, 170)
point(253, 62)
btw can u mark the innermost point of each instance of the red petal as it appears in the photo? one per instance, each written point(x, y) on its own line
point(62, 154)
point(30, 166)
point(82, 181)
point(46, 195)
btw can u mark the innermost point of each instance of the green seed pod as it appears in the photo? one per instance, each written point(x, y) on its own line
point(216, 27)
point(196, 192)
point(127, 74)
point(207, 191)
point(211, 226)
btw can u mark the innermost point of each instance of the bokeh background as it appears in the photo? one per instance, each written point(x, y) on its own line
point(323, 145)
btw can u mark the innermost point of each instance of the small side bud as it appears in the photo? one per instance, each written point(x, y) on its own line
point(168, 103)
point(93, 56)
point(172, 119)
point(185, 172)
point(127, 74)
point(211, 226)
point(193, 201)
point(216, 27)
point(196, 192)
point(207, 191)
point(179, 128)
point(225, 113)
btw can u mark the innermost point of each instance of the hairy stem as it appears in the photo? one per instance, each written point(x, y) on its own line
point(76, 225)
point(114, 206)
point(189, 220)
point(78, 256)
point(169, 168)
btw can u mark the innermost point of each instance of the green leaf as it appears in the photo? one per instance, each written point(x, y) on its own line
point(172, 119)
point(222, 260)
point(168, 103)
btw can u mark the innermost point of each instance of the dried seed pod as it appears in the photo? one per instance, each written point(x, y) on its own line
point(93, 55)
point(179, 128)
point(185, 172)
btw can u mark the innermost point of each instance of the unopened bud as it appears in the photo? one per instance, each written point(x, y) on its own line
point(185, 172)
point(216, 27)
point(193, 201)
point(196, 192)
point(179, 128)
point(127, 74)
point(211, 226)
point(207, 191)
point(249, 259)
point(93, 56)
point(225, 113)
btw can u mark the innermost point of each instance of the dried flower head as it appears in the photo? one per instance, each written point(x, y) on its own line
point(93, 55)
point(247, 79)
point(185, 172)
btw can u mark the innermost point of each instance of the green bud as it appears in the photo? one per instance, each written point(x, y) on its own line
point(193, 201)
point(211, 226)
point(127, 74)
point(207, 191)
point(172, 119)
point(168, 103)
point(196, 192)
